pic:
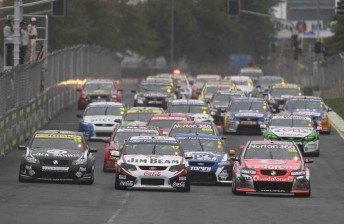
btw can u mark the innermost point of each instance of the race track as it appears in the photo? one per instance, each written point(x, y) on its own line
point(100, 203)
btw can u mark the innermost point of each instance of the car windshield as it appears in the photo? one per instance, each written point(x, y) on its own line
point(284, 91)
point(191, 128)
point(72, 142)
point(94, 87)
point(154, 87)
point(137, 117)
point(295, 105)
point(187, 109)
point(304, 123)
point(247, 105)
point(152, 148)
point(213, 89)
point(202, 145)
point(161, 123)
point(120, 137)
point(101, 110)
point(269, 80)
point(271, 151)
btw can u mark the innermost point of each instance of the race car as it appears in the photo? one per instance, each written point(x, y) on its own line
point(278, 95)
point(199, 82)
point(246, 115)
point(117, 140)
point(210, 162)
point(294, 128)
point(196, 109)
point(154, 93)
point(253, 73)
point(209, 88)
point(149, 162)
point(271, 167)
point(185, 127)
point(56, 155)
point(219, 103)
point(243, 83)
point(98, 90)
point(312, 106)
point(139, 114)
point(264, 83)
point(100, 119)
point(164, 122)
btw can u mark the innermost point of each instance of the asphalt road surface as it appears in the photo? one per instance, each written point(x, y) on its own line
point(100, 203)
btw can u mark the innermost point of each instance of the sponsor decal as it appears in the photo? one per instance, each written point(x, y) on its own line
point(273, 179)
point(154, 161)
point(208, 156)
point(273, 167)
point(170, 118)
point(292, 130)
point(183, 178)
point(55, 155)
point(200, 168)
point(54, 168)
point(56, 151)
point(76, 138)
point(82, 169)
point(270, 146)
point(128, 183)
point(122, 177)
point(152, 173)
point(178, 184)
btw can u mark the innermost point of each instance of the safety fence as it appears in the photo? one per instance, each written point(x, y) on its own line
point(32, 94)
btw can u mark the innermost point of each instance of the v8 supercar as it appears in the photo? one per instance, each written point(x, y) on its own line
point(57, 156)
point(271, 167)
point(151, 162)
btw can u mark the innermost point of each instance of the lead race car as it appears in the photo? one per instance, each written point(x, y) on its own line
point(54, 155)
point(152, 162)
point(210, 162)
point(294, 128)
point(271, 167)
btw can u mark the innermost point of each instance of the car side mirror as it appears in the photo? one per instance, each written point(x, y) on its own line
point(22, 147)
point(92, 150)
point(231, 152)
point(79, 116)
point(309, 161)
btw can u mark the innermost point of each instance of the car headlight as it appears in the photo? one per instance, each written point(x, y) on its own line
point(298, 173)
point(31, 159)
point(176, 168)
point(81, 161)
point(248, 171)
point(309, 138)
point(129, 167)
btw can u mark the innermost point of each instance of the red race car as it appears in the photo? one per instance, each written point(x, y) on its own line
point(118, 138)
point(165, 121)
point(271, 167)
point(99, 90)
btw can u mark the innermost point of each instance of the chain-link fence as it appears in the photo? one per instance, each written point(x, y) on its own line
point(30, 94)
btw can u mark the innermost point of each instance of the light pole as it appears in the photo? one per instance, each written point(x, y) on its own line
point(172, 35)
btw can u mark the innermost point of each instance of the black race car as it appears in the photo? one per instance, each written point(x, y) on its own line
point(54, 155)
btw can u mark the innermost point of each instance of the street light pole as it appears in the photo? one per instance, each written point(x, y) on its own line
point(17, 15)
point(172, 36)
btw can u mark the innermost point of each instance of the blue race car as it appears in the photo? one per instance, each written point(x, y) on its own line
point(246, 115)
point(210, 162)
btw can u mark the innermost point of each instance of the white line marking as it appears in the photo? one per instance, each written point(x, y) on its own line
point(123, 203)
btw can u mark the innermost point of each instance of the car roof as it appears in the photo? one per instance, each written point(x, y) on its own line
point(148, 129)
point(245, 99)
point(155, 82)
point(139, 109)
point(248, 69)
point(197, 136)
point(152, 138)
point(107, 104)
point(261, 142)
point(188, 102)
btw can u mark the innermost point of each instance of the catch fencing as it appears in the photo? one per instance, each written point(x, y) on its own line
point(31, 94)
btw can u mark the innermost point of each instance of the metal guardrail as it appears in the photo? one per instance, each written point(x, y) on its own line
point(25, 106)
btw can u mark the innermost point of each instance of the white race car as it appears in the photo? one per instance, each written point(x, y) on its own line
point(152, 162)
point(101, 118)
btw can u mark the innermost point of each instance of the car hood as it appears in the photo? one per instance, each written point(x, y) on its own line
point(56, 153)
point(101, 119)
point(155, 160)
point(206, 156)
point(291, 132)
point(272, 164)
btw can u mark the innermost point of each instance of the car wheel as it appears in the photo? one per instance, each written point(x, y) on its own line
point(234, 191)
point(305, 195)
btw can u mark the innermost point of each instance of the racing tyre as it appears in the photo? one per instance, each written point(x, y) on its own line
point(117, 187)
point(234, 191)
point(305, 195)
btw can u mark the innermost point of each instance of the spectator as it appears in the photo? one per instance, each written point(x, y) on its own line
point(24, 41)
point(32, 39)
point(9, 42)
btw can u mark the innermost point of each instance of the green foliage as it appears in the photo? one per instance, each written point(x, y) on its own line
point(335, 44)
